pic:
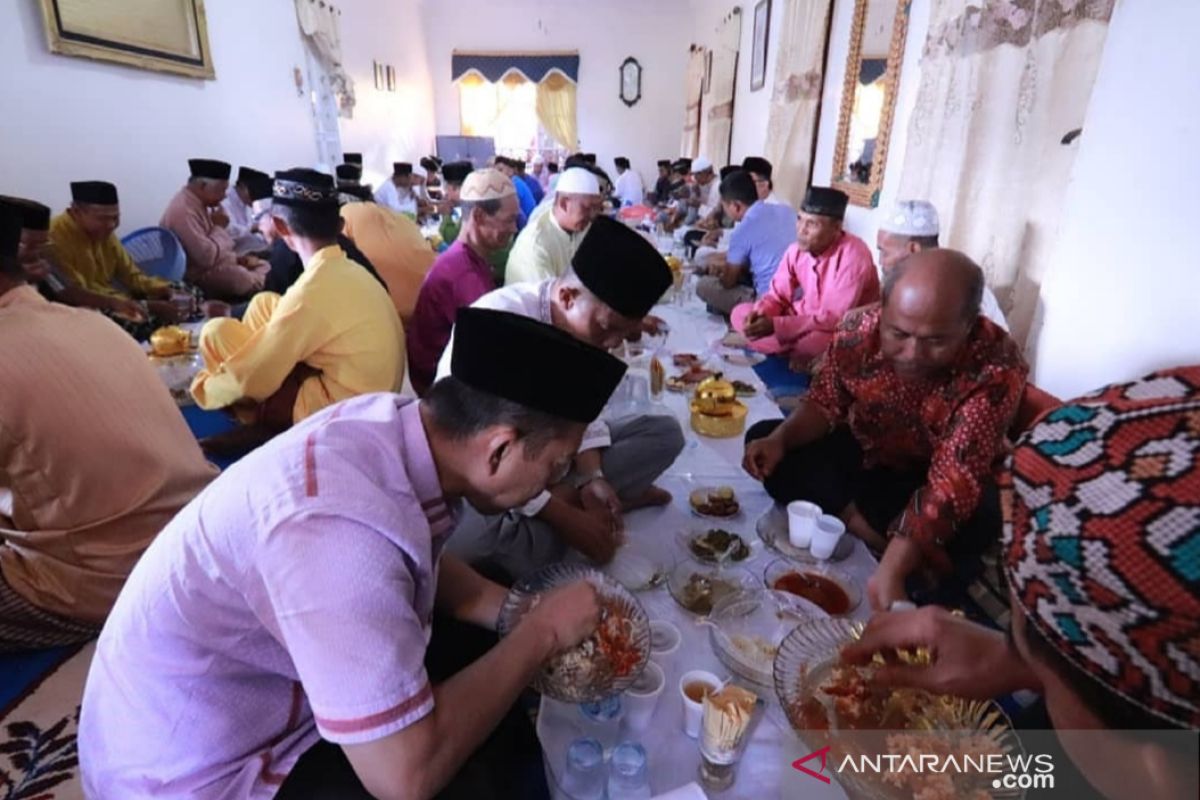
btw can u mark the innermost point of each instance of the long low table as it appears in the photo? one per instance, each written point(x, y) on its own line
point(765, 770)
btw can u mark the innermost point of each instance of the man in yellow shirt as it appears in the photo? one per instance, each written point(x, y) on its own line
point(334, 334)
point(544, 248)
point(86, 251)
point(395, 247)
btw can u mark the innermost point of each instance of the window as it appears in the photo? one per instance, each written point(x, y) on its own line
point(507, 112)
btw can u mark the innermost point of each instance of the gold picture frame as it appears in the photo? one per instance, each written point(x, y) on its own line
point(161, 35)
point(866, 192)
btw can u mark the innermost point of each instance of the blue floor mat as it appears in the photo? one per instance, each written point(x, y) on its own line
point(208, 423)
point(20, 670)
point(779, 378)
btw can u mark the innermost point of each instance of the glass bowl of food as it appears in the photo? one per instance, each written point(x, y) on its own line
point(845, 708)
point(748, 627)
point(607, 662)
point(714, 545)
point(699, 588)
point(829, 588)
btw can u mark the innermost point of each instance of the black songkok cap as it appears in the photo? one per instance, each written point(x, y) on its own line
point(457, 171)
point(621, 268)
point(260, 187)
point(402, 168)
point(665, 163)
point(825, 201)
point(621, 162)
point(305, 187)
point(96, 193)
point(34, 215)
point(352, 158)
point(10, 231)
point(532, 364)
point(208, 168)
point(246, 175)
point(757, 165)
point(349, 172)
point(430, 164)
point(682, 166)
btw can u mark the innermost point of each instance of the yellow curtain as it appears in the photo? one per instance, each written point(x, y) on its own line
point(556, 110)
point(478, 105)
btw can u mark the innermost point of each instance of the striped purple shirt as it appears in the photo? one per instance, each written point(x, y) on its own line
point(289, 601)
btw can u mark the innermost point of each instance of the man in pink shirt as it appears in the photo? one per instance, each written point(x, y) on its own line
point(195, 216)
point(825, 274)
point(292, 600)
point(462, 274)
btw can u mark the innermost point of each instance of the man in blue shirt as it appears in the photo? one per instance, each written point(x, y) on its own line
point(762, 234)
point(524, 196)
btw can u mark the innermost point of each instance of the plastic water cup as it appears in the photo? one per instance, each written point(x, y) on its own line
point(585, 775)
point(802, 522)
point(693, 709)
point(642, 698)
point(628, 773)
point(825, 538)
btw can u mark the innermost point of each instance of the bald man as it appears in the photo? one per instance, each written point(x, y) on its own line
point(904, 426)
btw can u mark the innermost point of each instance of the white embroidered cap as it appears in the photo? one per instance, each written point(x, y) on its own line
point(577, 180)
point(911, 218)
point(701, 164)
point(486, 184)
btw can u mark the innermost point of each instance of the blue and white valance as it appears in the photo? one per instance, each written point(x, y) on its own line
point(533, 67)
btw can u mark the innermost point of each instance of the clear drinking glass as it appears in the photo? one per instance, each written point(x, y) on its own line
point(628, 773)
point(584, 778)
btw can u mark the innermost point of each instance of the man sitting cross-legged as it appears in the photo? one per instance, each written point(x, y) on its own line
point(94, 459)
point(825, 274)
point(92, 269)
point(195, 216)
point(333, 334)
point(618, 276)
point(287, 614)
point(904, 425)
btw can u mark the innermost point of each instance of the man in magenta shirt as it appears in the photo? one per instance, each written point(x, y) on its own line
point(292, 600)
point(461, 275)
point(825, 274)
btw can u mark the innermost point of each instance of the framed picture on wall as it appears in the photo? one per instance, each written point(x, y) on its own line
point(707, 84)
point(758, 56)
point(146, 34)
point(378, 75)
point(391, 78)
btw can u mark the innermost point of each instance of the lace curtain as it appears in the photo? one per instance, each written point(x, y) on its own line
point(693, 89)
point(1002, 83)
point(320, 27)
point(556, 110)
point(717, 134)
point(796, 96)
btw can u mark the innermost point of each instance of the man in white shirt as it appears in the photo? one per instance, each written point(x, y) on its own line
point(550, 238)
point(629, 188)
point(237, 208)
point(707, 196)
point(397, 193)
point(912, 226)
point(617, 278)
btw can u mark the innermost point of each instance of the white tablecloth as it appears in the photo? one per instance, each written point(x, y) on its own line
point(765, 770)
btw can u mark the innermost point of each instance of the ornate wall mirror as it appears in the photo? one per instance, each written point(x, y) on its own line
point(631, 81)
point(869, 97)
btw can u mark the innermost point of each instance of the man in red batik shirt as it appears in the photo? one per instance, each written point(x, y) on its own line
point(904, 425)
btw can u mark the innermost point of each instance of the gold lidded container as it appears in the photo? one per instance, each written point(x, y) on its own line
point(716, 411)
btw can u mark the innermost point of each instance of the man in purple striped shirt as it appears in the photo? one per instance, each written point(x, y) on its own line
point(292, 600)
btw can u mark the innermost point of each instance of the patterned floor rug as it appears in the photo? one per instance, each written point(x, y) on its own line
point(38, 724)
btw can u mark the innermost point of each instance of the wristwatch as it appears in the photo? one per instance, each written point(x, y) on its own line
point(587, 477)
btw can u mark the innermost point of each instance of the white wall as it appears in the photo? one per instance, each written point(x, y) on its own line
point(387, 126)
point(76, 119)
point(1122, 296)
point(605, 33)
point(864, 222)
point(750, 109)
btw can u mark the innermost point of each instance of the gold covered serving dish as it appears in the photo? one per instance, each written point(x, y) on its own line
point(716, 411)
